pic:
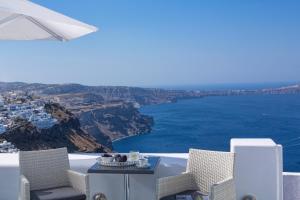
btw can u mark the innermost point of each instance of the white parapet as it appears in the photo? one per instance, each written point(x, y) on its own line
point(258, 168)
point(173, 164)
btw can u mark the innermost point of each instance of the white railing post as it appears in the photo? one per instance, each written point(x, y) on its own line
point(258, 168)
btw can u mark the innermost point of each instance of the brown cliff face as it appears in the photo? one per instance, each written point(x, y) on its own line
point(66, 133)
point(114, 121)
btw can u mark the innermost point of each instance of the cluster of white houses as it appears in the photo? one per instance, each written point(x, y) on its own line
point(7, 147)
point(14, 105)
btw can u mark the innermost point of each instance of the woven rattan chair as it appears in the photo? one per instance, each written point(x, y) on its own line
point(46, 175)
point(208, 172)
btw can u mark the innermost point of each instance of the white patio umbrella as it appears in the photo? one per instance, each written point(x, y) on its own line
point(24, 20)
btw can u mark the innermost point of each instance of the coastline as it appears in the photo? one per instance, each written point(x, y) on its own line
point(184, 99)
point(201, 124)
point(129, 136)
point(122, 138)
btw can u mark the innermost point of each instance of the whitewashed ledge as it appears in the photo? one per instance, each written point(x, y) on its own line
point(171, 164)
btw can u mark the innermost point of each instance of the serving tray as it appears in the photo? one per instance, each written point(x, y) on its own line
point(116, 164)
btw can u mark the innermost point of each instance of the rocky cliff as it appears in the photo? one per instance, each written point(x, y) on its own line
point(66, 133)
point(114, 121)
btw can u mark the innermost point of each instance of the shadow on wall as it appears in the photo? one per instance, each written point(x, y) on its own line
point(170, 166)
point(10, 179)
point(291, 185)
point(82, 165)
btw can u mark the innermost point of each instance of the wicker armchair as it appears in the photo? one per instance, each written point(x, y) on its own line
point(209, 173)
point(46, 175)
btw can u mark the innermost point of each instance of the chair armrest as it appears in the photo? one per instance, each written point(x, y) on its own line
point(224, 190)
point(24, 193)
point(174, 184)
point(79, 181)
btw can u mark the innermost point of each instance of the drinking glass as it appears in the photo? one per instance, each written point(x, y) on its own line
point(134, 155)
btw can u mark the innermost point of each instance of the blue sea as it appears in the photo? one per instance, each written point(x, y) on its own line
point(210, 123)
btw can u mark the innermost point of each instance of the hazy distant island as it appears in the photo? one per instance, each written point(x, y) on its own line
point(88, 118)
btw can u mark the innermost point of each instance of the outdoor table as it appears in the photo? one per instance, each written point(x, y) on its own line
point(126, 171)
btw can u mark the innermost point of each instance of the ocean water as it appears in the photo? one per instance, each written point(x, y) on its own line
point(210, 123)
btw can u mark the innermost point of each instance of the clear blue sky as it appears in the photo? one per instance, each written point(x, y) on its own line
point(165, 42)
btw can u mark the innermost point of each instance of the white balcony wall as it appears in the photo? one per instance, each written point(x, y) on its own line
point(171, 164)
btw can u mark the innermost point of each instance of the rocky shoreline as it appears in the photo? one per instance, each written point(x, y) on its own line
point(113, 121)
point(90, 118)
point(88, 129)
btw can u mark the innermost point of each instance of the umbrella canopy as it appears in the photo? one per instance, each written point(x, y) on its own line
point(24, 20)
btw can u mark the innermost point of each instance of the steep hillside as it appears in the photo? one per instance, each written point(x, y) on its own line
point(114, 121)
point(66, 133)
